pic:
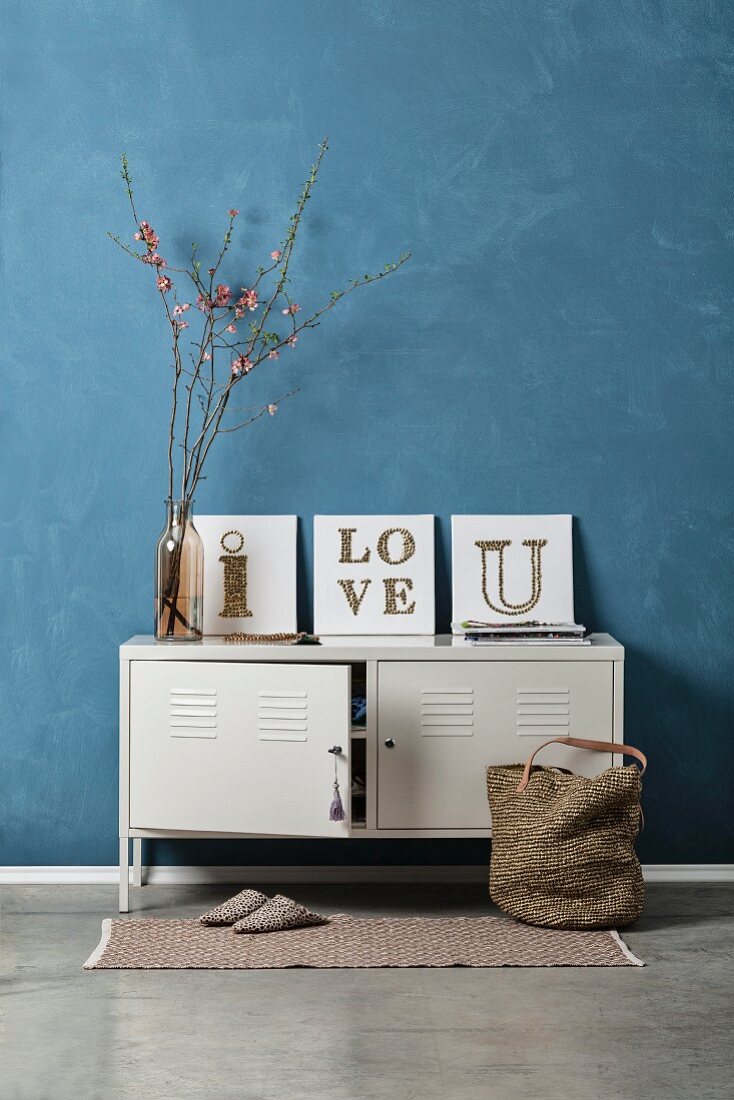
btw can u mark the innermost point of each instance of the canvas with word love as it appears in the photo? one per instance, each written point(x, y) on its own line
point(374, 575)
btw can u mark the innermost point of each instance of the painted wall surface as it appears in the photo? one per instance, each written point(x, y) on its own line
point(560, 342)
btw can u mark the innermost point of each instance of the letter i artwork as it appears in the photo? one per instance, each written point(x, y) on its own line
point(235, 578)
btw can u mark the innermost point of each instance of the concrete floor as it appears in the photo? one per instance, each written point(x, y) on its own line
point(662, 1031)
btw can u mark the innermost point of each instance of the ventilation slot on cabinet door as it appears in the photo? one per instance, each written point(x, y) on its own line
point(192, 712)
point(282, 715)
point(447, 713)
point(543, 712)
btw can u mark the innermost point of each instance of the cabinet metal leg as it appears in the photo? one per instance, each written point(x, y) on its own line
point(124, 906)
point(137, 861)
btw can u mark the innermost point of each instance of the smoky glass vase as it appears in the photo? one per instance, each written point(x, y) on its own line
point(179, 577)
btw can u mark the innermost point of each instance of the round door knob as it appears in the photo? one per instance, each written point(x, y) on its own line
point(390, 743)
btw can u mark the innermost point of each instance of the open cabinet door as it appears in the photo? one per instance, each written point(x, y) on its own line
point(238, 748)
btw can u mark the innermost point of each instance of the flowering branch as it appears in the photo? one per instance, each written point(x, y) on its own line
point(208, 385)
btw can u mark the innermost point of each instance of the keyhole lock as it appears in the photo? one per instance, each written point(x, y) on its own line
point(335, 750)
point(390, 743)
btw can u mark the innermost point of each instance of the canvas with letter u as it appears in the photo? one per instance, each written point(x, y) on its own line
point(512, 569)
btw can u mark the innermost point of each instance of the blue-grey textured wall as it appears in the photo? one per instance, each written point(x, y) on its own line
point(560, 342)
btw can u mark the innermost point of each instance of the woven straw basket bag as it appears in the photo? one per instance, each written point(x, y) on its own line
point(563, 845)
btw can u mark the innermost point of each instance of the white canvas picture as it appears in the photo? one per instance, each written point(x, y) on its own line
point(249, 573)
point(511, 569)
point(374, 575)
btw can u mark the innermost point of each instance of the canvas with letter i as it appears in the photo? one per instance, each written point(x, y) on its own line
point(374, 575)
point(249, 573)
point(512, 569)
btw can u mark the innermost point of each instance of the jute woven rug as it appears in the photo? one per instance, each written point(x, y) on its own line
point(353, 942)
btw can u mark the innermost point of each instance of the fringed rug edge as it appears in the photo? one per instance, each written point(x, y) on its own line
point(625, 949)
point(101, 946)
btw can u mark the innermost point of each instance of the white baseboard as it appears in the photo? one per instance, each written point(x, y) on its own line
point(656, 872)
point(181, 875)
point(688, 872)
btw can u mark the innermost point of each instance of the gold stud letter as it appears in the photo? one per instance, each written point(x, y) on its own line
point(353, 599)
point(392, 595)
point(536, 574)
point(383, 545)
point(235, 578)
point(346, 554)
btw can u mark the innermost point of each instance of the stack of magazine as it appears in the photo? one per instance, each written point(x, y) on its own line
point(527, 633)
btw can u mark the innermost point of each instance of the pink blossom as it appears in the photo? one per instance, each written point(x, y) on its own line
point(248, 300)
point(137, 236)
point(154, 259)
point(276, 254)
point(241, 365)
point(181, 324)
point(204, 304)
point(211, 270)
point(272, 409)
point(223, 295)
point(292, 308)
point(273, 354)
point(164, 283)
point(292, 341)
point(148, 234)
point(230, 328)
point(206, 357)
point(181, 307)
point(233, 213)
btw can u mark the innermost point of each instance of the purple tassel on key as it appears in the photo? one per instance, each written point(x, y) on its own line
point(336, 809)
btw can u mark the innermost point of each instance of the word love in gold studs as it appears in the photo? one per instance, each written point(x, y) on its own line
point(396, 588)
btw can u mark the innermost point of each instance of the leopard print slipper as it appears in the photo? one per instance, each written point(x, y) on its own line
point(279, 914)
point(241, 905)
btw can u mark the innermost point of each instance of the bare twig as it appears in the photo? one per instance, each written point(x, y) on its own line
point(261, 412)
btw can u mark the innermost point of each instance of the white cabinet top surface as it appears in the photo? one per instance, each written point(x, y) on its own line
point(432, 647)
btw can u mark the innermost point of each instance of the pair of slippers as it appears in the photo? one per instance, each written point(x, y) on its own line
point(251, 911)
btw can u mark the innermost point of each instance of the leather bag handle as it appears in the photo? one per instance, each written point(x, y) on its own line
point(582, 743)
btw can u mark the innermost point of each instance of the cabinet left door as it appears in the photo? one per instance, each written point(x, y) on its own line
point(238, 748)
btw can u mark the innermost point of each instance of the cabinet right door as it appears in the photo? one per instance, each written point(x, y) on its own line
point(441, 723)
